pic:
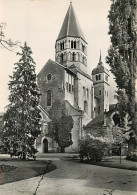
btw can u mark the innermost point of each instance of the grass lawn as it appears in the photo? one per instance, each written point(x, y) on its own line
point(114, 162)
point(14, 169)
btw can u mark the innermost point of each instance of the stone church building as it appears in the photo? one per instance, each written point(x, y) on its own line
point(86, 94)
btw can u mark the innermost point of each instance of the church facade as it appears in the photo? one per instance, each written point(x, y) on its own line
point(67, 79)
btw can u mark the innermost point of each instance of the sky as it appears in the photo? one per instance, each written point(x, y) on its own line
point(38, 22)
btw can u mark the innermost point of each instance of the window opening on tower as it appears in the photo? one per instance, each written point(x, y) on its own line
point(61, 58)
point(73, 57)
point(73, 44)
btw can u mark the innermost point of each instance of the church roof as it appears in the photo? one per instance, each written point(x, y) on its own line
point(75, 69)
point(97, 121)
point(51, 62)
point(71, 27)
point(100, 68)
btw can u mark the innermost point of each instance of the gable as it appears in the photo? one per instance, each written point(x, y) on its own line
point(51, 67)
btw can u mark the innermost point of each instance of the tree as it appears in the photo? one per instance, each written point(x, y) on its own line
point(4, 42)
point(22, 119)
point(122, 56)
point(93, 149)
point(61, 125)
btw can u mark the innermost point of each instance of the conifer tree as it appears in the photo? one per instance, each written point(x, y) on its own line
point(122, 56)
point(22, 118)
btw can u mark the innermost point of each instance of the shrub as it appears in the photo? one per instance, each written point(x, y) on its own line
point(132, 156)
point(92, 149)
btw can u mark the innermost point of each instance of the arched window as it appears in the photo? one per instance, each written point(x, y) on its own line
point(98, 77)
point(62, 45)
point(87, 93)
point(83, 91)
point(85, 106)
point(71, 44)
point(73, 56)
point(75, 44)
point(61, 58)
point(49, 98)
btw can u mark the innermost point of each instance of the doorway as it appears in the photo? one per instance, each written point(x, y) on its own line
point(45, 146)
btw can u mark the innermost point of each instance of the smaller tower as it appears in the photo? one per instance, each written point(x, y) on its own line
point(100, 76)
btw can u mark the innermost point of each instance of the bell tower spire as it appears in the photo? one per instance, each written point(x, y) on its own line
point(71, 45)
point(100, 59)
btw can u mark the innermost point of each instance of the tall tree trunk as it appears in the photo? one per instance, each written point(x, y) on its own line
point(62, 150)
point(135, 80)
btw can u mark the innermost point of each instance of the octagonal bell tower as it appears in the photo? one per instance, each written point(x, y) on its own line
point(71, 46)
point(100, 76)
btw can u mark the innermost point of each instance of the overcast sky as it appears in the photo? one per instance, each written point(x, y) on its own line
point(38, 22)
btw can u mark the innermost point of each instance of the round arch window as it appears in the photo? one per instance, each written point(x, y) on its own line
point(49, 77)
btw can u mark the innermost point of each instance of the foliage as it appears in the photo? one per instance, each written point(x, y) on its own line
point(132, 156)
point(22, 118)
point(93, 149)
point(121, 134)
point(61, 125)
point(4, 42)
point(122, 53)
point(109, 192)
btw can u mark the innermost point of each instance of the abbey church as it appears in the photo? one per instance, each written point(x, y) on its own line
point(67, 79)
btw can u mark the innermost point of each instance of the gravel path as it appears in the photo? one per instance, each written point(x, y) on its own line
point(74, 178)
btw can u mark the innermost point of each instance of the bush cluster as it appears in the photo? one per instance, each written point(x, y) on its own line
point(93, 150)
point(132, 156)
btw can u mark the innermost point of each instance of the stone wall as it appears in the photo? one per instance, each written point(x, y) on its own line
point(84, 83)
point(55, 85)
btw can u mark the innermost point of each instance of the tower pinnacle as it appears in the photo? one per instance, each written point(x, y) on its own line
point(100, 59)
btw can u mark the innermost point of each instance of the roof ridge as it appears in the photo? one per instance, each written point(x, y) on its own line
point(68, 20)
point(52, 61)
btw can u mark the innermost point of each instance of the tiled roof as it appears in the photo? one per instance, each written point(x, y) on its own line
point(99, 69)
point(71, 27)
point(98, 120)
